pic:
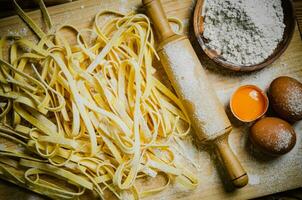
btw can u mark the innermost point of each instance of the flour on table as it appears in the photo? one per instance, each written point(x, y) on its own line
point(245, 32)
point(254, 179)
point(22, 32)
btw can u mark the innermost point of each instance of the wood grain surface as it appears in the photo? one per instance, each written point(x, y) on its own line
point(298, 9)
point(267, 175)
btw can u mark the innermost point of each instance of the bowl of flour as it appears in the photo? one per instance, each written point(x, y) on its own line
point(244, 35)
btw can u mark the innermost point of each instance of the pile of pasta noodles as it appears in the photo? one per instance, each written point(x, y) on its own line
point(91, 116)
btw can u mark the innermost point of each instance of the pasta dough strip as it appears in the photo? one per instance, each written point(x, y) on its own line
point(92, 113)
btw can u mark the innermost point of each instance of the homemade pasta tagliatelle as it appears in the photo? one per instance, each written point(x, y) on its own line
point(89, 116)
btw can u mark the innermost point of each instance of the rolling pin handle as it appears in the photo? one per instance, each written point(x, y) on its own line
point(237, 174)
point(156, 12)
point(157, 15)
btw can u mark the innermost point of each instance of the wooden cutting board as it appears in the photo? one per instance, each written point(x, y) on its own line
point(267, 175)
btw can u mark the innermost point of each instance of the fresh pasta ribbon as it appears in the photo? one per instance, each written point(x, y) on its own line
point(91, 115)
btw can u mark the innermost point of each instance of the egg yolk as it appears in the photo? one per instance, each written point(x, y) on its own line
point(248, 103)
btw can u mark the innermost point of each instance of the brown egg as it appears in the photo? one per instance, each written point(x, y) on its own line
point(285, 95)
point(273, 136)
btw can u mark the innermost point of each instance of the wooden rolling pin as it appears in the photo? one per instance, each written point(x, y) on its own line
point(189, 80)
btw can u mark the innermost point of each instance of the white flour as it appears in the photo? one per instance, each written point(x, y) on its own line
point(190, 82)
point(254, 179)
point(245, 32)
point(294, 101)
point(283, 139)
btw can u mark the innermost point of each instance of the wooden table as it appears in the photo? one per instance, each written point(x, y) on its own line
point(267, 175)
point(298, 9)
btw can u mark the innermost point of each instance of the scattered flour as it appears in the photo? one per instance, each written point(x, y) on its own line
point(34, 197)
point(244, 32)
point(254, 179)
point(190, 82)
point(294, 102)
point(22, 32)
point(275, 172)
point(283, 138)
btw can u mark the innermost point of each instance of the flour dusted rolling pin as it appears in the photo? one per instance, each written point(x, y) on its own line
point(189, 80)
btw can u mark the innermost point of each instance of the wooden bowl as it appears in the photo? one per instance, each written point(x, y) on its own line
point(289, 21)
